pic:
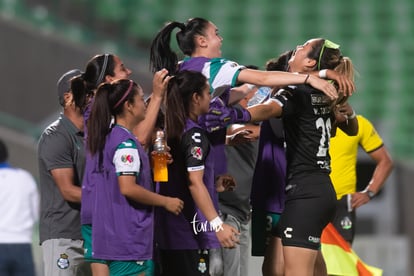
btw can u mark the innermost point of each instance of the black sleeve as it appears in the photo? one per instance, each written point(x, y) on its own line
point(195, 146)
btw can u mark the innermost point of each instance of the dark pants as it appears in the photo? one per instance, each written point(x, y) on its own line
point(16, 259)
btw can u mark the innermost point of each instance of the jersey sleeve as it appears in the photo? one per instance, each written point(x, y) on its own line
point(56, 151)
point(370, 139)
point(195, 146)
point(223, 72)
point(285, 98)
point(126, 159)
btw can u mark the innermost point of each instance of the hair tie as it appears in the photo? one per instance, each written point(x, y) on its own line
point(102, 74)
point(125, 94)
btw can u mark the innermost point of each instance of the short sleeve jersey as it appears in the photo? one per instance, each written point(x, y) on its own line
point(190, 229)
point(218, 71)
point(127, 159)
point(60, 146)
point(344, 153)
point(307, 119)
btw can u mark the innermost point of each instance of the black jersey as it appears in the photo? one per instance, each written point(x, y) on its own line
point(307, 117)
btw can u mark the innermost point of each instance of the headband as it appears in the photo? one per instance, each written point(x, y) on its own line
point(326, 44)
point(102, 74)
point(125, 94)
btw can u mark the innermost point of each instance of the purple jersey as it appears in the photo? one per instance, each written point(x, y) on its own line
point(122, 229)
point(190, 229)
point(268, 188)
point(92, 174)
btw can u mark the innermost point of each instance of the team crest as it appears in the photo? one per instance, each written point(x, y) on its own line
point(202, 266)
point(197, 153)
point(63, 261)
point(346, 223)
point(127, 158)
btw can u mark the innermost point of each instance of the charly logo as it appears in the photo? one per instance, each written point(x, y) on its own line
point(63, 261)
point(200, 226)
point(287, 232)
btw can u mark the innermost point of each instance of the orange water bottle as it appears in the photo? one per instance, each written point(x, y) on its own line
point(159, 159)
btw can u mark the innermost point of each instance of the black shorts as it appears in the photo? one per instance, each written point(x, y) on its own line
point(344, 220)
point(184, 262)
point(309, 207)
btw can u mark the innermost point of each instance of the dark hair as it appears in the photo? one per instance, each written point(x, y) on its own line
point(96, 69)
point(281, 63)
point(252, 66)
point(160, 121)
point(162, 56)
point(179, 94)
point(330, 58)
point(108, 102)
point(4, 153)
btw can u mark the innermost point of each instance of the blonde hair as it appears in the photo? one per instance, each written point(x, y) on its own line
point(346, 68)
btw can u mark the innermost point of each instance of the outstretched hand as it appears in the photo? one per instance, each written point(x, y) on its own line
point(346, 86)
point(324, 86)
point(220, 115)
point(241, 137)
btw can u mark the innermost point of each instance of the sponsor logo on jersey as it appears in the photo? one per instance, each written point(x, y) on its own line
point(197, 153)
point(127, 159)
point(314, 239)
point(320, 99)
point(127, 144)
point(196, 137)
point(288, 232)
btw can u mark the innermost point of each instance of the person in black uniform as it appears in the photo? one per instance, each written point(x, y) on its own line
point(184, 240)
point(308, 120)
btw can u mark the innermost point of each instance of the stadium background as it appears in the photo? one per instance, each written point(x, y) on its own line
point(42, 39)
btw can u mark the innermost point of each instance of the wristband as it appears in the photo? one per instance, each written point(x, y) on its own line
point(216, 224)
point(306, 79)
point(352, 116)
point(370, 194)
point(322, 73)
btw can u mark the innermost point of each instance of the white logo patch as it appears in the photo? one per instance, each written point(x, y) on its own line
point(196, 137)
point(287, 232)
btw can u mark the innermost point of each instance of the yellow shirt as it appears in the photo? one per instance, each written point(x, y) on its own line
point(344, 151)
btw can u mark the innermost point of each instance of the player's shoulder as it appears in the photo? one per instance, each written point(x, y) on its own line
point(195, 135)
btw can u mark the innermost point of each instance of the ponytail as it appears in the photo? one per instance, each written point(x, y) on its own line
point(161, 55)
point(99, 120)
